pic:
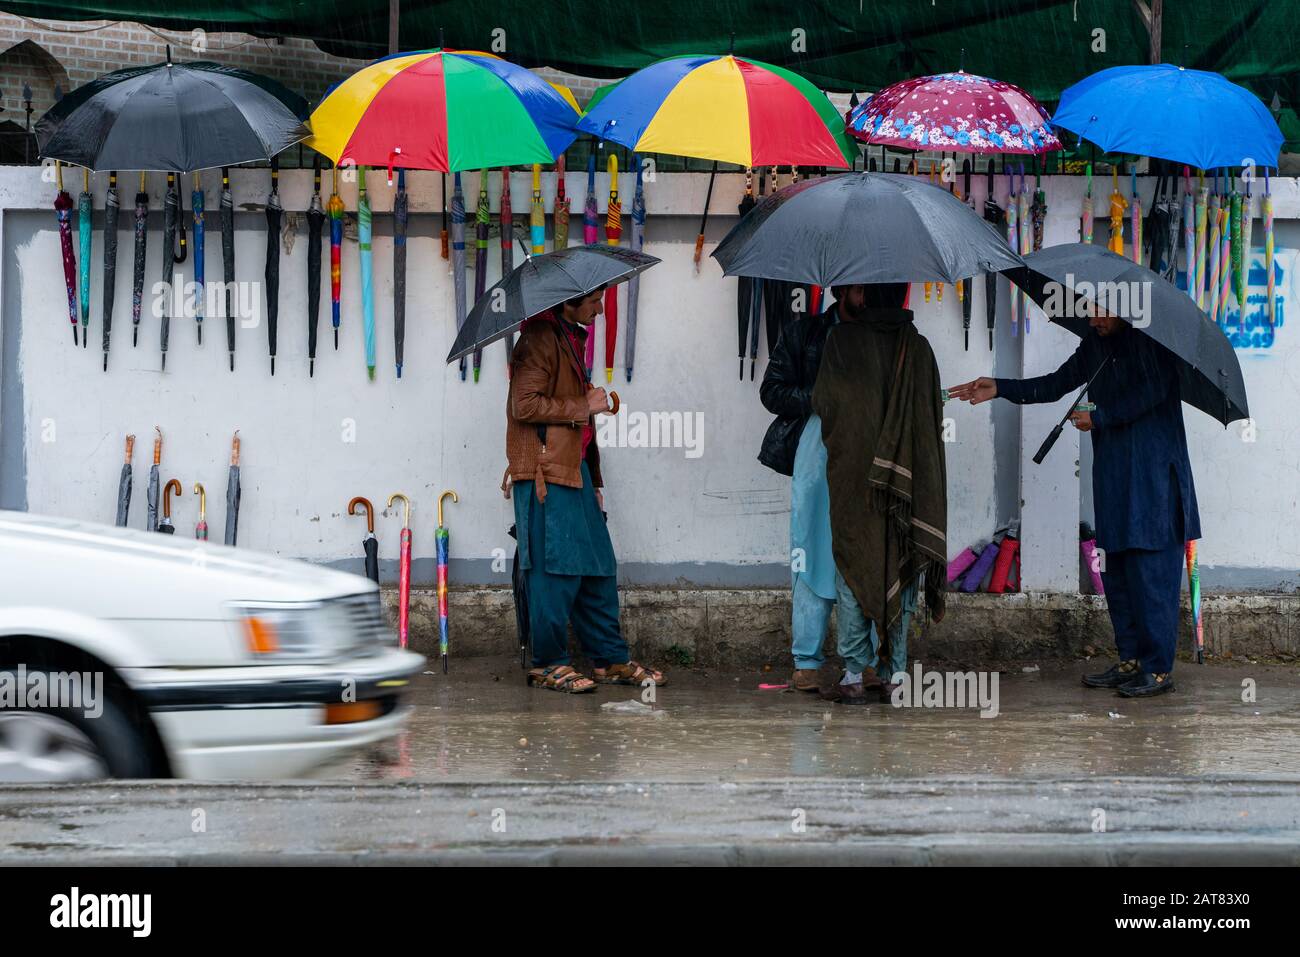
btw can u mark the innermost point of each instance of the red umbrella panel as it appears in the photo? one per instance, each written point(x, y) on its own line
point(958, 111)
point(63, 210)
point(404, 573)
point(613, 233)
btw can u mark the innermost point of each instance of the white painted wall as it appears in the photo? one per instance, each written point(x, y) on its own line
point(430, 431)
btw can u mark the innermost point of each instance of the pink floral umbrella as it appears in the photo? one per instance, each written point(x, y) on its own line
point(958, 111)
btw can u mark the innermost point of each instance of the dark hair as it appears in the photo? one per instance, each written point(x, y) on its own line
point(877, 295)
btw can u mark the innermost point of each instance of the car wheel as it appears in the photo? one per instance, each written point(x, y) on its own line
point(61, 745)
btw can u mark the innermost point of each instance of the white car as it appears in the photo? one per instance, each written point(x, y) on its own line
point(133, 654)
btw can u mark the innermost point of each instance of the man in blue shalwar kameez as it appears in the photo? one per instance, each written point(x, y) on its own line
point(1143, 493)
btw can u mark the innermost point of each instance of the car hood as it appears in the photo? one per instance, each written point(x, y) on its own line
point(129, 573)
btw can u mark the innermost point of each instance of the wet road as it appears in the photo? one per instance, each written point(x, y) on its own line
point(719, 772)
point(482, 724)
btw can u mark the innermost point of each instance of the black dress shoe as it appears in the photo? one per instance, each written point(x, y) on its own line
point(1147, 686)
point(1114, 676)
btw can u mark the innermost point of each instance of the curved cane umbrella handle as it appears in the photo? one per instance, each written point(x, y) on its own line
point(370, 511)
point(203, 501)
point(406, 502)
point(613, 401)
point(173, 485)
point(455, 499)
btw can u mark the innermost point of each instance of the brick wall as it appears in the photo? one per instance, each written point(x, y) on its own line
point(70, 54)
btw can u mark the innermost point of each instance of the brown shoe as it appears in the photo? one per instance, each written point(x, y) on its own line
point(804, 679)
point(845, 694)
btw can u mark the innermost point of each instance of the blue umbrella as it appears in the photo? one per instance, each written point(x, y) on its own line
point(1188, 116)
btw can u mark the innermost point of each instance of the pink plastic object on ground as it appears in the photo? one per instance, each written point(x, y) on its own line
point(957, 567)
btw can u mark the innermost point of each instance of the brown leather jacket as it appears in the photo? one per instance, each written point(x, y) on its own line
point(547, 391)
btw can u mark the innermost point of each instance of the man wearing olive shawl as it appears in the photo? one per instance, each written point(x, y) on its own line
point(879, 400)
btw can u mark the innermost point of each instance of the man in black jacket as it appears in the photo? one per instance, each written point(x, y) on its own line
point(787, 392)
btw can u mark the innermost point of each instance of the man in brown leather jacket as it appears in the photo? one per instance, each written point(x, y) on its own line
point(565, 552)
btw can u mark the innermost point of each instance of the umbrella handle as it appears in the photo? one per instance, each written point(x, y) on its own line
point(157, 446)
point(173, 485)
point(203, 501)
point(455, 499)
point(613, 404)
point(406, 520)
point(130, 448)
point(370, 511)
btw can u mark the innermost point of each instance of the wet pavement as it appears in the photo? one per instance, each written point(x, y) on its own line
point(481, 724)
point(716, 771)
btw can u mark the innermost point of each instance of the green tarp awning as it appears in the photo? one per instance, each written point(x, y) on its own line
point(1041, 45)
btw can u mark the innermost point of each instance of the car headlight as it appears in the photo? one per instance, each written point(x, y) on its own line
point(312, 630)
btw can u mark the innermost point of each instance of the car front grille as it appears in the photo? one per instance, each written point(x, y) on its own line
point(370, 628)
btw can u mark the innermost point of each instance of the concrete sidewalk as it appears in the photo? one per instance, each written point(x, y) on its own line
point(717, 771)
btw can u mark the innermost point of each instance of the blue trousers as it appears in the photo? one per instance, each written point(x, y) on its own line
point(859, 644)
point(1143, 590)
point(570, 574)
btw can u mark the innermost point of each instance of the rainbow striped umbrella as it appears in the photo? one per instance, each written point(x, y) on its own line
point(725, 108)
point(442, 546)
point(475, 111)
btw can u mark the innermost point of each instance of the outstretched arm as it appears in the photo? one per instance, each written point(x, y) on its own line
point(1072, 374)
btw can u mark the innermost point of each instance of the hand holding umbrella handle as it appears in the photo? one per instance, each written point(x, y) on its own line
point(1056, 432)
point(370, 511)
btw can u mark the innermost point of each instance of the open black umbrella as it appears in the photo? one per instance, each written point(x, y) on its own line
point(124, 485)
point(996, 218)
point(1066, 280)
point(228, 259)
point(540, 283)
point(272, 274)
point(232, 494)
point(816, 231)
point(173, 117)
point(370, 544)
point(315, 222)
point(111, 207)
point(401, 215)
point(141, 245)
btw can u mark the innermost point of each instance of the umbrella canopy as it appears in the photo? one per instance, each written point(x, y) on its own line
point(815, 232)
point(86, 233)
point(196, 208)
point(726, 108)
point(1170, 112)
point(476, 110)
point(634, 284)
point(138, 260)
point(124, 485)
point(227, 204)
point(152, 490)
point(112, 204)
point(173, 117)
point(404, 569)
point(542, 282)
point(272, 270)
point(63, 213)
point(958, 112)
point(171, 221)
point(459, 279)
point(1208, 372)
point(315, 222)
point(401, 216)
point(442, 545)
point(232, 494)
